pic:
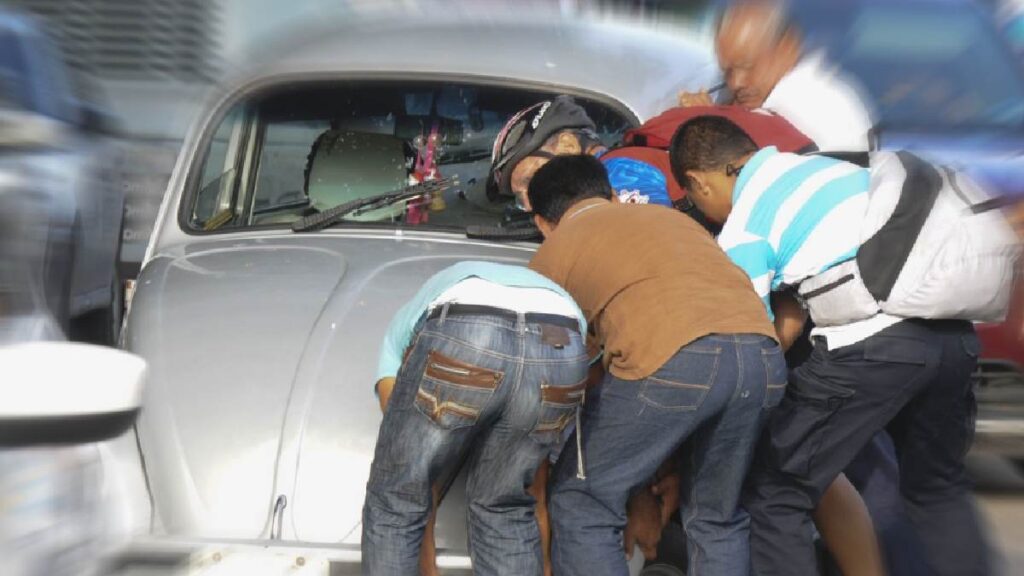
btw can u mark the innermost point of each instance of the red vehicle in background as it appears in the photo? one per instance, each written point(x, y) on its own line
point(1001, 375)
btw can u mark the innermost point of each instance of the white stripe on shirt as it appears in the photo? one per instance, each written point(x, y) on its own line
point(759, 182)
point(831, 239)
point(794, 203)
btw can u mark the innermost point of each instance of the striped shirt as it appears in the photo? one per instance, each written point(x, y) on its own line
point(794, 217)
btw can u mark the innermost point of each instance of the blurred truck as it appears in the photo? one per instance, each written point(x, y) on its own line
point(56, 154)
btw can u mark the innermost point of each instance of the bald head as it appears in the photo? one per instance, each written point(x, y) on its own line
point(756, 47)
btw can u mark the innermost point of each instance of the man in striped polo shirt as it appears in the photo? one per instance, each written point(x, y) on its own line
point(786, 218)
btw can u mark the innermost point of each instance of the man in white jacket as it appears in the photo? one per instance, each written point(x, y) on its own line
point(763, 64)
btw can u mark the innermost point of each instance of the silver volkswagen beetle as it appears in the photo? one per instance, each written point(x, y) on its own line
point(260, 417)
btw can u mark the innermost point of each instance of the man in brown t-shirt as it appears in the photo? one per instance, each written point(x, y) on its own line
point(690, 354)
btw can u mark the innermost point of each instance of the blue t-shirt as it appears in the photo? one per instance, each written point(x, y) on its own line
point(403, 325)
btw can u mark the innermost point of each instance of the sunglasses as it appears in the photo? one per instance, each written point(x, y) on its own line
point(731, 170)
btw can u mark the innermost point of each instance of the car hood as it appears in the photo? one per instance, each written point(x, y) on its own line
point(263, 353)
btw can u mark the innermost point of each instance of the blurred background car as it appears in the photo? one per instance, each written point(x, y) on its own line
point(58, 504)
point(55, 149)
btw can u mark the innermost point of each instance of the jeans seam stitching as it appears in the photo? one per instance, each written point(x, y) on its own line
point(696, 506)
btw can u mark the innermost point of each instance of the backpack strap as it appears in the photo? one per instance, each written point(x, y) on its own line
point(862, 159)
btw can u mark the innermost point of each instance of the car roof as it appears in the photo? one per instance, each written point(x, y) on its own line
point(638, 65)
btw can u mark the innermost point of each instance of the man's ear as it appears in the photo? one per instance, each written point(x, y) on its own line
point(699, 183)
point(789, 49)
point(567, 143)
point(545, 227)
point(615, 198)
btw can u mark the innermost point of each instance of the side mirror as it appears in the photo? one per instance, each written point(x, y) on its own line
point(64, 393)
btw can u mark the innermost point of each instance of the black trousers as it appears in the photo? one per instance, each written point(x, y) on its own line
point(913, 380)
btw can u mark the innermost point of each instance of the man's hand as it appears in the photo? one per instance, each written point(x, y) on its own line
point(667, 491)
point(384, 388)
point(1016, 218)
point(643, 524)
point(688, 99)
point(790, 318)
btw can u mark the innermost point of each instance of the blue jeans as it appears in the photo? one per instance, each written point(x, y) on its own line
point(494, 393)
point(716, 393)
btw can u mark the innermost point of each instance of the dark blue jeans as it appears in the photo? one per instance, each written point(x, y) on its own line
point(875, 474)
point(495, 393)
point(912, 380)
point(716, 392)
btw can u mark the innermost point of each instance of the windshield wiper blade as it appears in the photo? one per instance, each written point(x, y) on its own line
point(358, 206)
point(499, 233)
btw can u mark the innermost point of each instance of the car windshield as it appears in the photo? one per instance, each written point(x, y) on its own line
point(296, 152)
point(924, 65)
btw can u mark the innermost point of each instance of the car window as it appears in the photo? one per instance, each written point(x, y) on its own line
point(923, 65)
point(219, 177)
point(297, 151)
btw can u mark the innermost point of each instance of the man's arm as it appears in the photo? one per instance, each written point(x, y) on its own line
point(1016, 218)
point(690, 99)
point(790, 318)
point(393, 350)
point(384, 388)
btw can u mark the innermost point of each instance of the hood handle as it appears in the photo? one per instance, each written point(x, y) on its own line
point(277, 524)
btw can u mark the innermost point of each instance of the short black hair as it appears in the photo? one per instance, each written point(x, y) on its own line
point(564, 181)
point(707, 143)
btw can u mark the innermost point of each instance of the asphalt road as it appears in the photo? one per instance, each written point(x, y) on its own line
point(999, 486)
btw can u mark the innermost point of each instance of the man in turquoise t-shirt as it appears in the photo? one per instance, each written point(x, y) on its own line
point(485, 365)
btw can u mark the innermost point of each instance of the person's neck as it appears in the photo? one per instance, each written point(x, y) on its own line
point(584, 205)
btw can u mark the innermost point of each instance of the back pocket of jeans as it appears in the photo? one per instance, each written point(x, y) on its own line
point(673, 389)
point(557, 409)
point(776, 373)
point(452, 393)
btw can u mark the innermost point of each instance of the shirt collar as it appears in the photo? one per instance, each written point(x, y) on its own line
point(583, 204)
point(749, 168)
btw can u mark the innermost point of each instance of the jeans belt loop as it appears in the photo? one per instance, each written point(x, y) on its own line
point(581, 468)
point(521, 323)
point(444, 313)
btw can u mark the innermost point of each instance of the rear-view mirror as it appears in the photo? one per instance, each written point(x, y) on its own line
point(449, 130)
point(59, 393)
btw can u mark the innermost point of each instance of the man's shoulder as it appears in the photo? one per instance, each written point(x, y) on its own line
point(824, 102)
